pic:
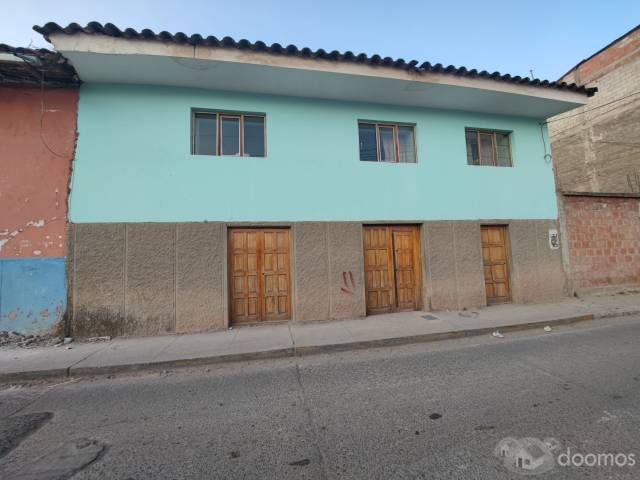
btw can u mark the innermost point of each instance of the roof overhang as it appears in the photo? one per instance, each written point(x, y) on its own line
point(30, 67)
point(106, 59)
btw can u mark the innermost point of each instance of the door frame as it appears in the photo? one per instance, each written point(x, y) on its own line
point(507, 248)
point(417, 230)
point(228, 273)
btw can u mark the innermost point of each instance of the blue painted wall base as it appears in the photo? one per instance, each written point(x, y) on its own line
point(33, 294)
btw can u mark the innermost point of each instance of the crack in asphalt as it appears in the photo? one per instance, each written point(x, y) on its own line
point(314, 428)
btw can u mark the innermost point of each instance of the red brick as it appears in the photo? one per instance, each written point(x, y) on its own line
point(604, 243)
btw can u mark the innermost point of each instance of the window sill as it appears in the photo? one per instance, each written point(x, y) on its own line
point(388, 163)
point(223, 156)
point(491, 166)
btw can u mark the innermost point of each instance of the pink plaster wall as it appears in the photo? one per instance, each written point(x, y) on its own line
point(37, 140)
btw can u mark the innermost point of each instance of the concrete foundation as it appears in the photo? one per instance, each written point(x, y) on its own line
point(155, 278)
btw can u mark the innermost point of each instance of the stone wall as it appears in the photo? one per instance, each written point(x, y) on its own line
point(155, 278)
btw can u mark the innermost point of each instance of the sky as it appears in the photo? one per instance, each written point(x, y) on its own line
point(516, 37)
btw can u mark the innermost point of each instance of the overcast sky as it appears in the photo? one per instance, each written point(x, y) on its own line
point(548, 37)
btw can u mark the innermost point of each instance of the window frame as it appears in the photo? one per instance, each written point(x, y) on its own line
point(219, 114)
point(494, 146)
point(219, 121)
point(396, 143)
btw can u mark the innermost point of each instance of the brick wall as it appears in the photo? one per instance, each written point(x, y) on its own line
point(603, 236)
point(596, 148)
point(622, 51)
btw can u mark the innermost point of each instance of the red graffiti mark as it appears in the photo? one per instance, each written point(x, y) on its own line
point(348, 282)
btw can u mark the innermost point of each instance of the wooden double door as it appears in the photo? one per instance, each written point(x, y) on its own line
point(392, 268)
point(259, 274)
point(495, 258)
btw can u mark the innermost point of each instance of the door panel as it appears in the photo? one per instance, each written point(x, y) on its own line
point(496, 264)
point(405, 268)
point(259, 270)
point(243, 248)
point(392, 268)
point(276, 274)
point(378, 270)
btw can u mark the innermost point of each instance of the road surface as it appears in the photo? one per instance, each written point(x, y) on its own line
point(435, 410)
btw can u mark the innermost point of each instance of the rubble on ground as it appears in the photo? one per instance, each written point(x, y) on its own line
point(10, 338)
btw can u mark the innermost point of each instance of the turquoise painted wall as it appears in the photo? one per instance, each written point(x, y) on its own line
point(133, 163)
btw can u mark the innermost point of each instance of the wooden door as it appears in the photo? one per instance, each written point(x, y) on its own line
point(392, 268)
point(496, 264)
point(259, 275)
point(405, 267)
point(274, 260)
point(378, 270)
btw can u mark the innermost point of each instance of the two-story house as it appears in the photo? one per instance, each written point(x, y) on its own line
point(220, 182)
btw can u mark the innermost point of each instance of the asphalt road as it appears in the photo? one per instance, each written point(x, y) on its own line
point(433, 410)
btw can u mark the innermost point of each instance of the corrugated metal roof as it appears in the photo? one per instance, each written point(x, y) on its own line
point(291, 50)
point(37, 67)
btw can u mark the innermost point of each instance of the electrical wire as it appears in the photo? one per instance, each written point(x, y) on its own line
point(27, 60)
point(591, 109)
point(547, 155)
point(592, 118)
point(42, 139)
point(631, 144)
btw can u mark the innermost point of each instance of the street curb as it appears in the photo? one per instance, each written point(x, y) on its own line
point(34, 375)
point(185, 362)
point(284, 352)
point(434, 337)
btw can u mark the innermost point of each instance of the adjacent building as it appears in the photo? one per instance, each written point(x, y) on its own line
point(596, 152)
point(38, 101)
point(220, 182)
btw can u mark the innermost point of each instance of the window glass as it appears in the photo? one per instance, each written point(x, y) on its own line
point(406, 145)
point(387, 148)
point(503, 149)
point(486, 149)
point(368, 147)
point(473, 155)
point(253, 136)
point(204, 137)
point(230, 135)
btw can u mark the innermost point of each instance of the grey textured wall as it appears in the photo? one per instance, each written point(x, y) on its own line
point(536, 269)
point(595, 147)
point(454, 270)
point(310, 277)
point(154, 278)
point(200, 287)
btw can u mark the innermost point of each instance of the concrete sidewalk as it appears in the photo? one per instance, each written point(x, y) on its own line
point(287, 339)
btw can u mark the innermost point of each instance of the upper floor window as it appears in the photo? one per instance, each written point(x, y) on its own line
point(221, 133)
point(488, 147)
point(387, 142)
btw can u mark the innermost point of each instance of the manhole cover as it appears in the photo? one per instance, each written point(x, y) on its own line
point(430, 317)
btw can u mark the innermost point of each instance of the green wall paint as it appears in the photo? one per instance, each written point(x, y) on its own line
point(133, 163)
